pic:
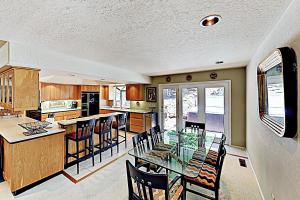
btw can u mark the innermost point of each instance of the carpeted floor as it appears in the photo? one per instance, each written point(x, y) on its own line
point(110, 183)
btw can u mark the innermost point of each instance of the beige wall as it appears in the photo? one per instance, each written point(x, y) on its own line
point(238, 96)
point(276, 161)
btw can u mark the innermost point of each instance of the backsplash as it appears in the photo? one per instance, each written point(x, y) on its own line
point(143, 105)
point(48, 105)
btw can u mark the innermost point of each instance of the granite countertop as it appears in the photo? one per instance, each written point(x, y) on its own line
point(127, 110)
point(59, 110)
point(12, 132)
point(74, 121)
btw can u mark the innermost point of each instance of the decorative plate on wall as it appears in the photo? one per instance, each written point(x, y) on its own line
point(213, 75)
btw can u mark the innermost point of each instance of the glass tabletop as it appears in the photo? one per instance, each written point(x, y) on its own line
point(183, 152)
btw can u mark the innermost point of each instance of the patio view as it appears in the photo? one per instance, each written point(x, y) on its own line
point(191, 109)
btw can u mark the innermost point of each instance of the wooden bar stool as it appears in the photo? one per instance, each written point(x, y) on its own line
point(121, 121)
point(104, 131)
point(84, 132)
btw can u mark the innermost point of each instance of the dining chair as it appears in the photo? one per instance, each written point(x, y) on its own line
point(208, 178)
point(196, 125)
point(157, 140)
point(144, 186)
point(84, 132)
point(141, 142)
point(156, 135)
point(212, 156)
point(104, 131)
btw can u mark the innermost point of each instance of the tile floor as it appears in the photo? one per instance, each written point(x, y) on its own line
point(110, 183)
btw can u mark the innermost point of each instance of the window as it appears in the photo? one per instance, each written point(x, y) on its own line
point(120, 97)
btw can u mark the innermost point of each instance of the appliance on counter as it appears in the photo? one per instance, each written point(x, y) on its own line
point(74, 104)
point(90, 103)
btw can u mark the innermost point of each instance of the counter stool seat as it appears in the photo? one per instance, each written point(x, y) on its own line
point(84, 132)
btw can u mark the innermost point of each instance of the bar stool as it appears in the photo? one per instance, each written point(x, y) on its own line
point(84, 132)
point(104, 131)
point(121, 121)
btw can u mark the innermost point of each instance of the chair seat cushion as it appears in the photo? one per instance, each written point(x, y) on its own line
point(163, 147)
point(199, 154)
point(211, 158)
point(174, 192)
point(72, 135)
point(207, 176)
point(142, 162)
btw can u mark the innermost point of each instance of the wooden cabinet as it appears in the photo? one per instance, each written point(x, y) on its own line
point(19, 88)
point(136, 122)
point(104, 92)
point(90, 88)
point(51, 91)
point(135, 92)
point(29, 161)
point(58, 116)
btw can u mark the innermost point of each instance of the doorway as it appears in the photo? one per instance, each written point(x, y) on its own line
point(205, 102)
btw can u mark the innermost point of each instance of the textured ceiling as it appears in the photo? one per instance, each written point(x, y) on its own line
point(151, 37)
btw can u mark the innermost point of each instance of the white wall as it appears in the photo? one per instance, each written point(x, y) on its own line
point(276, 161)
point(32, 56)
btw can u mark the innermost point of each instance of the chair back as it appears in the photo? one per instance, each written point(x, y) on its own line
point(105, 124)
point(156, 135)
point(145, 183)
point(121, 120)
point(219, 165)
point(196, 125)
point(141, 141)
point(85, 129)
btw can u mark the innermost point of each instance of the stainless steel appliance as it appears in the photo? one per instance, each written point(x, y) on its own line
point(90, 103)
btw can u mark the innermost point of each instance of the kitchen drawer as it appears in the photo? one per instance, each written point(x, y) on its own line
point(135, 121)
point(137, 115)
point(137, 129)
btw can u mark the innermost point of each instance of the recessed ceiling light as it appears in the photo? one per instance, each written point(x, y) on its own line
point(210, 20)
point(220, 62)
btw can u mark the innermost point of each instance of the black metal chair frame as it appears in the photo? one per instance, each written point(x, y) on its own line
point(105, 135)
point(84, 132)
point(218, 168)
point(156, 135)
point(197, 125)
point(146, 181)
point(121, 121)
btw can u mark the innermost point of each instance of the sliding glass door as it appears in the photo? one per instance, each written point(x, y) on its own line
point(205, 102)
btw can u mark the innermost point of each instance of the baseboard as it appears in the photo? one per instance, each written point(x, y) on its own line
point(239, 147)
point(260, 191)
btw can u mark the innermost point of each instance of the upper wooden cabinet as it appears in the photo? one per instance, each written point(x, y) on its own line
point(90, 88)
point(135, 92)
point(104, 92)
point(19, 88)
point(51, 91)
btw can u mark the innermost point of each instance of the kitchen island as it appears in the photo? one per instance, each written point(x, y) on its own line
point(29, 159)
point(138, 120)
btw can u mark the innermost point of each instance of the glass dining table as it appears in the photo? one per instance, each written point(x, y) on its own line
point(182, 152)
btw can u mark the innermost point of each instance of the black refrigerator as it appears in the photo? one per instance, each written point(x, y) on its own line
point(90, 103)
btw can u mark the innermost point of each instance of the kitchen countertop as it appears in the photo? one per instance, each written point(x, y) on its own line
point(12, 132)
point(59, 110)
point(74, 121)
point(126, 110)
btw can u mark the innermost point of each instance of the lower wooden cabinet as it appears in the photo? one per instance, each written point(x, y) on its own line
point(29, 161)
point(58, 116)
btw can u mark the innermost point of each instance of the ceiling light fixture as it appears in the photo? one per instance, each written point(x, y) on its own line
point(210, 20)
point(220, 62)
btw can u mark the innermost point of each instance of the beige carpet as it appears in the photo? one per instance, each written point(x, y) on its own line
point(110, 183)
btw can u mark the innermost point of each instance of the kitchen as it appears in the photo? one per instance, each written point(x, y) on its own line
point(59, 105)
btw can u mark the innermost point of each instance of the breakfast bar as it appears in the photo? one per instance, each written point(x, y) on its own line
point(70, 127)
point(29, 159)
